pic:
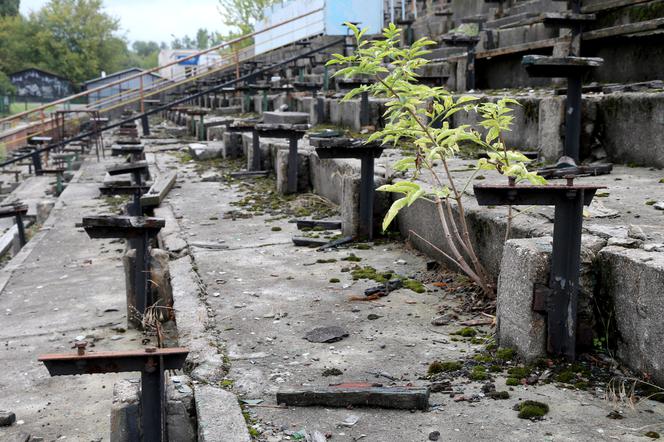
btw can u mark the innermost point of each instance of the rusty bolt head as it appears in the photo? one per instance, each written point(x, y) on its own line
point(150, 349)
point(511, 180)
point(570, 180)
point(80, 347)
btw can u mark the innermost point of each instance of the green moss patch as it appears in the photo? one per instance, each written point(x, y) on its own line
point(444, 367)
point(478, 374)
point(414, 285)
point(499, 395)
point(466, 332)
point(505, 354)
point(532, 410)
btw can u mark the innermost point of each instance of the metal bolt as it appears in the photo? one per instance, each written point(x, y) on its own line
point(80, 347)
point(570, 180)
point(511, 180)
point(151, 349)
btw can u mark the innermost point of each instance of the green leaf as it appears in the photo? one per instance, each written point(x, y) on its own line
point(394, 211)
point(415, 196)
point(404, 164)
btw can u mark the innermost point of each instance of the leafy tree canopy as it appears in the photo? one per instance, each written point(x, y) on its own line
point(9, 8)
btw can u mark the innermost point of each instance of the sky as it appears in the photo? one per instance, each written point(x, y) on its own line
point(156, 19)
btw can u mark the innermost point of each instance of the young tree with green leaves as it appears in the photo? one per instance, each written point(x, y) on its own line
point(411, 106)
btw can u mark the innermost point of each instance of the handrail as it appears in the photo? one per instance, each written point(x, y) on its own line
point(152, 70)
point(173, 103)
point(167, 84)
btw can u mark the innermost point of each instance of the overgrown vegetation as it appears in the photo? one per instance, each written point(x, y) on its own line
point(412, 108)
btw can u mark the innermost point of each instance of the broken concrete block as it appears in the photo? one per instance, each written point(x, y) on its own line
point(180, 417)
point(232, 145)
point(128, 262)
point(633, 279)
point(44, 210)
point(219, 416)
point(303, 182)
point(551, 118)
point(285, 117)
point(525, 263)
point(7, 418)
point(202, 152)
point(160, 278)
point(125, 411)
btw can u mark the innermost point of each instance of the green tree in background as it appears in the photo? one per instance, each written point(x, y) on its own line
point(77, 39)
point(242, 15)
point(16, 49)
point(9, 8)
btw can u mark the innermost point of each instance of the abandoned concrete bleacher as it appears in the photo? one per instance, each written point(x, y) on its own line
point(591, 100)
point(522, 47)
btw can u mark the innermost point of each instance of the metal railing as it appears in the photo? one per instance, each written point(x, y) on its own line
point(39, 122)
point(182, 100)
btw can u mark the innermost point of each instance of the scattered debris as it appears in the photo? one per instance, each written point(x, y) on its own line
point(357, 394)
point(7, 418)
point(326, 334)
point(350, 420)
point(434, 435)
point(332, 372)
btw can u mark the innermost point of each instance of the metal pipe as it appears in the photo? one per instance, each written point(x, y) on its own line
point(391, 11)
point(403, 10)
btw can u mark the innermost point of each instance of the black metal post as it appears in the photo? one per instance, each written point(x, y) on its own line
point(21, 230)
point(256, 159)
point(319, 102)
point(470, 69)
point(366, 196)
point(36, 162)
point(134, 208)
point(364, 109)
point(145, 125)
point(573, 118)
point(292, 164)
point(564, 279)
point(151, 403)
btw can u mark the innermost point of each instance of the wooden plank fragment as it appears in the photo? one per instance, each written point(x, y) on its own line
point(119, 169)
point(632, 28)
point(606, 5)
point(311, 223)
point(162, 185)
point(356, 395)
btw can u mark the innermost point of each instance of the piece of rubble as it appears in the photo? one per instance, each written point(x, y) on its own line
point(326, 334)
point(7, 418)
point(355, 395)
